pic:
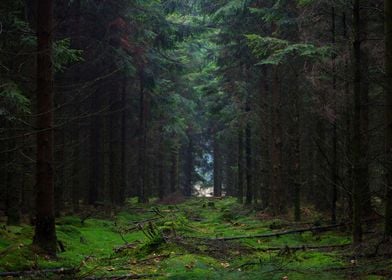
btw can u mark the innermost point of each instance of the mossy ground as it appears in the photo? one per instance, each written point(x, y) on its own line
point(176, 244)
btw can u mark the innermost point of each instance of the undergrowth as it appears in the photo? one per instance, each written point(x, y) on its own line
point(177, 242)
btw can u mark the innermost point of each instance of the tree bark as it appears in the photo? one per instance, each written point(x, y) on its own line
point(357, 141)
point(276, 150)
point(59, 153)
point(248, 152)
point(113, 148)
point(75, 189)
point(388, 92)
point(161, 169)
point(365, 137)
point(124, 147)
point(240, 165)
point(334, 167)
point(231, 159)
point(189, 167)
point(45, 232)
point(297, 153)
point(349, 180)
point(96, 175)
point(174, 168)
point(217, 167)
point(143, 180)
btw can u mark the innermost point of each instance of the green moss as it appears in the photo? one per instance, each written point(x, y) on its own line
point(92, 244)
point(19, 258)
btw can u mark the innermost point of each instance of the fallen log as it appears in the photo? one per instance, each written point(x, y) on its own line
point(277, 234)
point(38, 272)
point(304, 247)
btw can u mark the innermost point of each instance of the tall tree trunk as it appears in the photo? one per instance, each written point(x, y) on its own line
point(217, 167)
point(161, 169)
point(45, 232)
point(231, 159)
point(240, 165)
point(357, 141)
point(349, 180)
point(75, 189)
point(96, 175)
point(265, 137)
point(276, 150)
point(365, 137)
point(142, 184)
point(248, 152)
point(189, 167)
point(388, 92)
point(59, 141)
point(334, 167)
point(124, 147)
point(297, 152)
point(174, 168)
point(113, 166)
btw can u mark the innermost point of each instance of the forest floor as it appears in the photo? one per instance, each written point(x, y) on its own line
point(187, 241)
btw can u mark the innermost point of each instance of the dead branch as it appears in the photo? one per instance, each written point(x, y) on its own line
point(277, 234)
point(304, 247)
point(124, 247)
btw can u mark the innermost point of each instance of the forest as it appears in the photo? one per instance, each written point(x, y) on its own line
point(196, 139)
